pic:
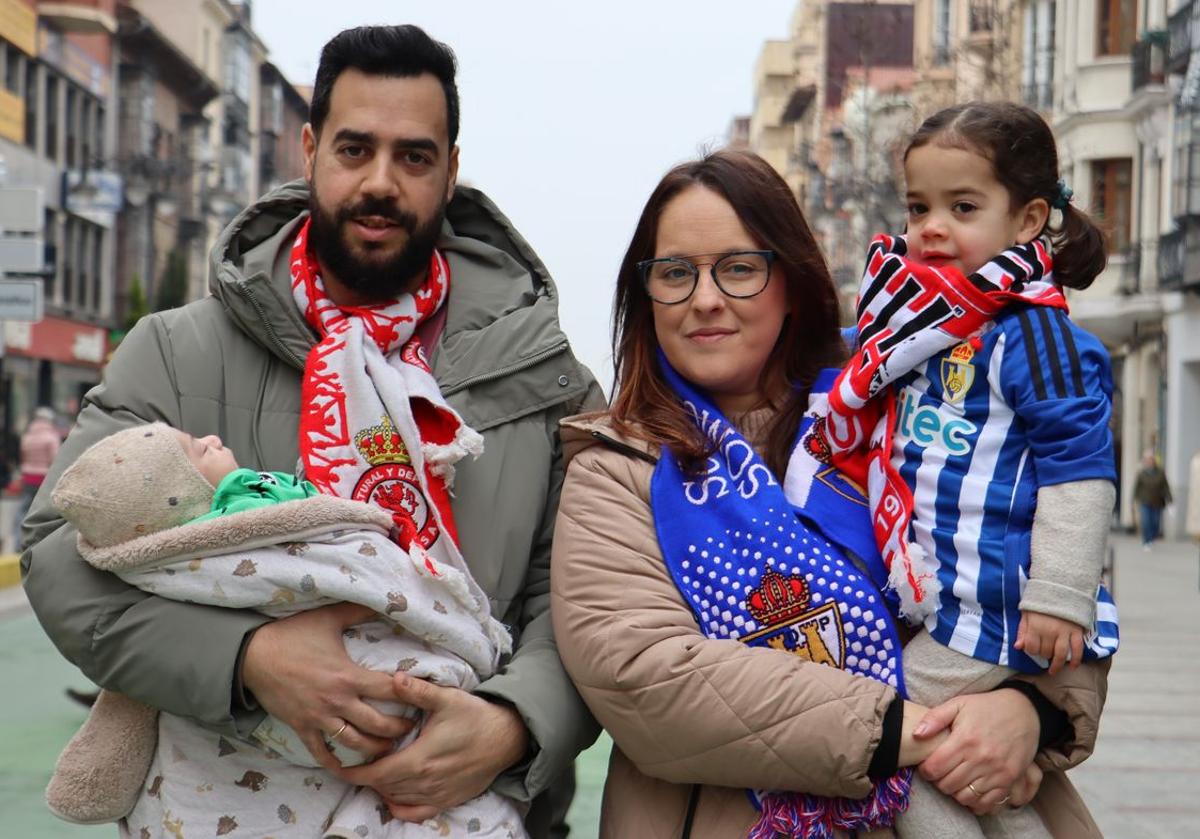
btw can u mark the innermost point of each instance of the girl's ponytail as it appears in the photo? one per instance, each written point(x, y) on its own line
point(1080, 249)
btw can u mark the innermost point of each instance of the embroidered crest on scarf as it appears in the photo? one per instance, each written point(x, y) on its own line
point(907, 313)
point(756, 568)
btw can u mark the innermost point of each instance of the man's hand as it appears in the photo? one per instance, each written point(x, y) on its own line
point(298, 670)
point(993, 739)
point(464, 743)
point(1052, 638)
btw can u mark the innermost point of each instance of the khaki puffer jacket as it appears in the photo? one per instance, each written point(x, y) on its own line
point(684, 709)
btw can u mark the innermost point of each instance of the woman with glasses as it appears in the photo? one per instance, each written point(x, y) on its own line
point(719, 619)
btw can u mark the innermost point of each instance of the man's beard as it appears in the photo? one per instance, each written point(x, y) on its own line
point(381, 279)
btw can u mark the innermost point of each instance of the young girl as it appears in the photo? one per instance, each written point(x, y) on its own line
point(977, 414)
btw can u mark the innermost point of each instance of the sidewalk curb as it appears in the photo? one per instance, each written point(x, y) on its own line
point(10, 570)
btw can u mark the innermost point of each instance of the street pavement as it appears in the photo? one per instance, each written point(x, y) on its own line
point(1140, 784)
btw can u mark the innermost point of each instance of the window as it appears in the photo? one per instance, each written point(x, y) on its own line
point(13, 61)
point(941, 31)
point(73, 101)
point(1185, 198)
point(95, 137)
point(87, 123)
point(97, 301)
point(1037, 59)
point(1112, 193)
point(51, 234)
point(1116, 26)
point(31, 105)
point(66, 256)
point(51, 106)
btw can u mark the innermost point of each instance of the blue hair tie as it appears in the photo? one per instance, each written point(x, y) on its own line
point(1064, 196)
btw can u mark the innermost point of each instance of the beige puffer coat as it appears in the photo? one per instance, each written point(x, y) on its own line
point(684, 709)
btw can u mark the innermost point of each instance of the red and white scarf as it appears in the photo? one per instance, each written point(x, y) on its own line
point(374, 426)
point(908, 313)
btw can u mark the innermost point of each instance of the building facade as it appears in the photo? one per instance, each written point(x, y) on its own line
point(134, 130)
point(56, 140)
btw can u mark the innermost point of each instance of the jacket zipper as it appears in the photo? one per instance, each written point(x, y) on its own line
point(624, 448)
point(266, 325)
point(516, 367)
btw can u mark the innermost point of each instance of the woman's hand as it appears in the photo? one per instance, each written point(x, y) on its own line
point(298, 670)
point(992, 740)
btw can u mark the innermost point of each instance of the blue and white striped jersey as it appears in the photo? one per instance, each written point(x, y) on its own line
point(978, 429)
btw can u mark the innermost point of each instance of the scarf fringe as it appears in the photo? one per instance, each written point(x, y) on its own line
point(916, 584)
point(441, 458)
point(798, 816)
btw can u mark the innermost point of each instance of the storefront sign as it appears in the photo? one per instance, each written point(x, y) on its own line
point(21, 300)
point(12, 116)
point(95, 195)
point(18, 25)
point(58, 339)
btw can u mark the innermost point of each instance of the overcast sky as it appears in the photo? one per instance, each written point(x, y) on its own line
point(571, 112)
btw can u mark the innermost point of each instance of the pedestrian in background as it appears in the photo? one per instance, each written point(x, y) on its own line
point(39, 447)
point(1152, 493)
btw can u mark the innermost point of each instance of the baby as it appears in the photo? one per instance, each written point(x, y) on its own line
point(174, 515)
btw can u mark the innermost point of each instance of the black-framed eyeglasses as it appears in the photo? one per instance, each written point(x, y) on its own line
point(738, 274)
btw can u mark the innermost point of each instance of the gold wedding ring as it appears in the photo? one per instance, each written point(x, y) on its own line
point(345, 725)
point(970, 785)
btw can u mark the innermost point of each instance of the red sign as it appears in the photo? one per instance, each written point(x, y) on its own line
point(58, 339)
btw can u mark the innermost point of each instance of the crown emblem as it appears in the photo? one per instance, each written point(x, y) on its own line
point(816, 444)
point(963, 353)
point(381, 444)
point(778, 599)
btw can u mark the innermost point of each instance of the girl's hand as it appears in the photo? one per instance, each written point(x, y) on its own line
point(1049, 637)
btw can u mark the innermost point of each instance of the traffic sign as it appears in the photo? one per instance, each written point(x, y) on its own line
point(21, 300)
point(22, 210)
point(22, 254)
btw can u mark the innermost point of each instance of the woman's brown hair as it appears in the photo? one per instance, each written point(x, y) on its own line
point(1020, 146)
point(644, 405)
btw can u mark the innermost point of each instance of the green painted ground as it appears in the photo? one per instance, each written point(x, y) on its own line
point(38, 720)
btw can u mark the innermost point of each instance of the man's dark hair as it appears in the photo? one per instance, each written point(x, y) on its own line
point(404, 51)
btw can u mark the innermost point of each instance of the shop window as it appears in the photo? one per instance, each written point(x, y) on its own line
point(1116, 26)
point(1112, 195)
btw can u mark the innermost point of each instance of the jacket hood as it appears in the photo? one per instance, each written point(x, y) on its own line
point(498, 284)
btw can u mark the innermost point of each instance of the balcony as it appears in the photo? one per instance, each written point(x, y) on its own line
point(1179, 255)
point(1149, 60)
point(85, 16)
point(1179, 38)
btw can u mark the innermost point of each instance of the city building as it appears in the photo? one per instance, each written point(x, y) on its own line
point(131, 133)
point(57, 100)
point(1119, 83)
point(284, 112)
point(831, 102)
point(161, 138)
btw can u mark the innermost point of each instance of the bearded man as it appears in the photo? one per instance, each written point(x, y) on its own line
point(370, 323)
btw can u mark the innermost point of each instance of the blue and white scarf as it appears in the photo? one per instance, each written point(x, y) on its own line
point(770, 570)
